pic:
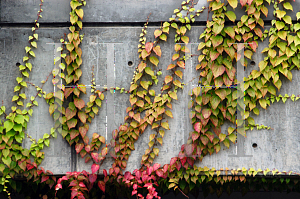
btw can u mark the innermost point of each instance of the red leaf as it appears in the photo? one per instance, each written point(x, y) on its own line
point(141, 66)
point(149, 170)
point(82, 116)
point(253, 45)
point(68, 91)
point(149, 46)
point(173, 160)
point(138, 174)
point(166, 166)
point(134, 192)
point(74, 133)
point(189, 148)
point(190, 161)
point(217, 70)
point(159, 173)
point(258, 32)
point(101, 185)
point(44, 178)
point(95, 156)
point(178, 165)
point(206, 113)
point(79, 147)
point(181, 64)
point(156, 166)
point(79, 103)
point(74, 194)
point(243, 2)
point(105, 173)
point(95, 168)
point(204, 139)
point(92, 178)
point(214, 55)
point(81, 184)
point(83, 130)
point(70, 113)
point(157, 51)
point(197, 127)
point(195, 135)
point(73, 183)
point(117, 170)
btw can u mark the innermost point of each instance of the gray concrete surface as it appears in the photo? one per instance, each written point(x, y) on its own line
point(276, 148)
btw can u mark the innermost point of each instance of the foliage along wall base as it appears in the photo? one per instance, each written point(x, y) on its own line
point(210, 108)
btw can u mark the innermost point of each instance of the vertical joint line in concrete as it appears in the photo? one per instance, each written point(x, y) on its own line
point(110, 107)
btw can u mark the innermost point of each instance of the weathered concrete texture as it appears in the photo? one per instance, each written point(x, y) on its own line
point(25, 11)
point(112, 51)
point(13, 42)
point(276, 148)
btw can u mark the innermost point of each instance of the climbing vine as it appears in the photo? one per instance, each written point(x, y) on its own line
point(214, 101)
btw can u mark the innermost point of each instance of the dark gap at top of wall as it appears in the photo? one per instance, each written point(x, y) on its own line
point(103, 24)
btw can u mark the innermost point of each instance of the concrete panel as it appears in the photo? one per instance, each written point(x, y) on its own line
point(276, 148)
point(25, 11)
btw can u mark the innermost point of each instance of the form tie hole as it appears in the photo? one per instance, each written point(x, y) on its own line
point(130, 63)
point(254, 145)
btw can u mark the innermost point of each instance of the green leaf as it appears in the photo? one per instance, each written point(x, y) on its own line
point(47, 142)
point(34, 44)
point(29, 66)
point(30, 112)
point(230, 130)
point(15, 97)
point(217, 28)
point(165, 125)
point(233, 3)
point(287, 19)
point(17, 88)
point(23, 95)
point(6, 161)
point(185, 39)
point(163, 37)
point(279, 25)
point(288, 6)
point(27, 49)
point(149, 71)
point(215, 101)
point(263, 103)
point(19, 119)
point(32, 53)
point(298, 15)
point(232, 137)
point(154, 60)
point(296, 26)
point(231, 16)
point(25, 73)
point(271, 90)
point(19, 79)
point(280, 13)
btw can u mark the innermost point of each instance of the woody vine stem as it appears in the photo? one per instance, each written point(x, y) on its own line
point(211, 105)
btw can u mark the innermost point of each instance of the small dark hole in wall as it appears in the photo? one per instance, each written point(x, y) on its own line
point(18, 64)
point(254, 145)
point(252, 63)
point(130, 63)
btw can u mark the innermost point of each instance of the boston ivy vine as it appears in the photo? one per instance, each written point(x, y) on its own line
point(214, 102)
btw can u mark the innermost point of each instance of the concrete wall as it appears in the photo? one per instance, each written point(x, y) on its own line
point(277, 148)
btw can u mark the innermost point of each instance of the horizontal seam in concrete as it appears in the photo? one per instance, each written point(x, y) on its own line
point(105, 24)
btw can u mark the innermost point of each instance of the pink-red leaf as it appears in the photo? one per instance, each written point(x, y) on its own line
point(95, 168)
